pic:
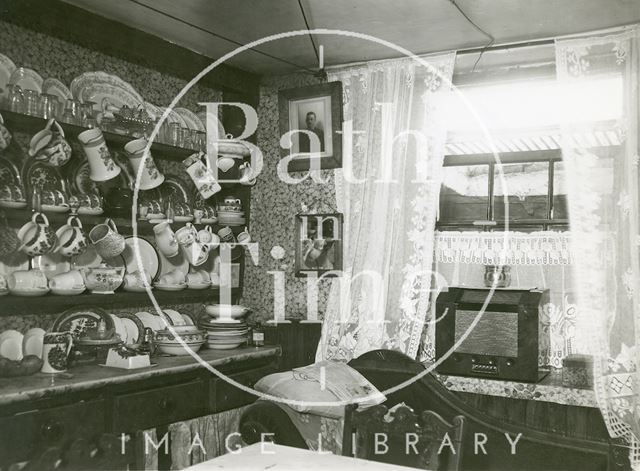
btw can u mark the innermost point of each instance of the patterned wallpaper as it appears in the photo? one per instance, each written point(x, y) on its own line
point(274, 205)
point(52, 57)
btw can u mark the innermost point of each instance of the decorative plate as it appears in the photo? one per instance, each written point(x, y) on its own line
point(88, 79)
point(82, 321)
point(187, 319)
point(173, 117)
point(52, 264)
point(132, 322)
point(27, 79)
point(191, 120)
point(7, 67)
point(88, 259)
point(38, 174)
point(174, 316)
point(79, 179)
point(105, 95)
point(55, 87)
point(175, 188)
point(9, 173)
point(152, 321)
point(148, 255)
point(115, 262)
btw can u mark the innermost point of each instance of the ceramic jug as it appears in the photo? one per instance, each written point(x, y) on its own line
point(55, 351)
point(149, 177)
point(202, 177)
point(101, 165)
point(49, 145)
point(106, 240)
point(37, 238)
point(166, 240)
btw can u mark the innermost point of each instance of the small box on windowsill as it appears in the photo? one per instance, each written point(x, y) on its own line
point(127, 359)
point(577, 371)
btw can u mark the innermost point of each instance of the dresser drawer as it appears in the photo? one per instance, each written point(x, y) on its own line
point(226, 396)
point(24, 434)
point(159, 406)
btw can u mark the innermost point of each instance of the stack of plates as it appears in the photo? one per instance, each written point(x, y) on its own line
point(225, 334)
point(231, 218)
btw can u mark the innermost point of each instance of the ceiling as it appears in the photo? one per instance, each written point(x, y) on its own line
point(214, 27)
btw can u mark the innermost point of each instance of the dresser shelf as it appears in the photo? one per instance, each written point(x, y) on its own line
point(51, 303)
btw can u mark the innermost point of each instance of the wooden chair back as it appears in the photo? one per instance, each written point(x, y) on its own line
point(401, 437)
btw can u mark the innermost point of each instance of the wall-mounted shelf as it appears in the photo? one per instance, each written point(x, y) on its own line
point(51, 303)
point(33, 124)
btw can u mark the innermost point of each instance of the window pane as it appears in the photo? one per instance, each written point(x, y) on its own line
point(526, 187)
point(465, 193)
point(560, 210)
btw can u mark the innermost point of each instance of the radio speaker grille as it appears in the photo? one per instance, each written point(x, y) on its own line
point(496, 333)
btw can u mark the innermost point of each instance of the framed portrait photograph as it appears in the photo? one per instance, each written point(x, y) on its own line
point(314, 114)
point(318, 244)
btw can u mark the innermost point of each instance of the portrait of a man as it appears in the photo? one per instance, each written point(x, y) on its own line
point(313, 125)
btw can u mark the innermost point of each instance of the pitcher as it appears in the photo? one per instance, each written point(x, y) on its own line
point(55, 351)
point(101, 165)
point(151, 176)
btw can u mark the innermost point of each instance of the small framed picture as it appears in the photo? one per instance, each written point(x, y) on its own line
point(318, 244)
point(313, 115)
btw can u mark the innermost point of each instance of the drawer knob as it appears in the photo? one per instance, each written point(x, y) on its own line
point(52, 431)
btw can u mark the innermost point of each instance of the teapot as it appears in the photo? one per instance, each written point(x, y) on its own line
point(103, 279)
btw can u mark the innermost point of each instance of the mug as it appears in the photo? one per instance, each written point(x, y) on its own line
point(5, 135)
point(50, 146)
point(107, 241)
point(27, 279)
point(102, 167)
point(205, 235)
point(202, 177)
point(71, 238)
point(37, 237)
point(195, 252)
point(55, 351)
point(226, 235)
point(166, 239)
point(67, 281)
point(150, 175)
point(244, 237)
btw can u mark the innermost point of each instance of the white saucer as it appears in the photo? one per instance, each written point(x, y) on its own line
point(199, 285)
point(86, 211)
point(183, 218)
point(49, 208)
point(136, 289)
point(164, 287)
point(13, 204)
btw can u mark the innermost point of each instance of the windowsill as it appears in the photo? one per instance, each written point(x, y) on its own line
point(549, 389)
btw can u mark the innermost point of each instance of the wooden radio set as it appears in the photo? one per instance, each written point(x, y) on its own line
point(490, 335)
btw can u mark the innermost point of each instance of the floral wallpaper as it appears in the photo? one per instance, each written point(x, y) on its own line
point(274, 205)
point(52, 57)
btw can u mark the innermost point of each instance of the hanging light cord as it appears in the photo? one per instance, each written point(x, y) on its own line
point(321, 74)
point(479, 29)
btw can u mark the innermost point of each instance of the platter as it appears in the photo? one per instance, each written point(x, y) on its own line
point(154, 322)
point(81, 321)
point(79, 179)
point(191, 120)
point(7, 67)
point(174, 316)
point(38, 174)
point(108, 97)
point(148, 255)
point(89, 79)
point(55, 87)
point(27, 79)
point(175, 188)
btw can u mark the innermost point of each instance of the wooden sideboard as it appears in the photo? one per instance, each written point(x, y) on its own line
point(45, 412)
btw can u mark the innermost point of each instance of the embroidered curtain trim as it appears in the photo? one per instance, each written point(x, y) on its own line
point(494, 248)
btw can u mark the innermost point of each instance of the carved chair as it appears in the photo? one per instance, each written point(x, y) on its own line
point(401, 437)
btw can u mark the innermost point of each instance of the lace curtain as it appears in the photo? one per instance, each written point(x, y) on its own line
point(388, 191)
point(603, 207)
point(536, 260)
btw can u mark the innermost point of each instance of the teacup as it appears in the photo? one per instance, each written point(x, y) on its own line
point(107, 241)
point(174, 277)
point(27, 280)
point(55, 351)
point(71, 280)
point(37, 237)
point(71, 238)
point(244, 237)
point(205, 235)
point(195, 251)
point(198, 277)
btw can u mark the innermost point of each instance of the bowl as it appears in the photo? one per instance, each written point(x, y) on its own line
point(177, 348)
point(193, 335)
point(226, 311)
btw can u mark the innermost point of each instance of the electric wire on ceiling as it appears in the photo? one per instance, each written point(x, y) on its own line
point(479, 29)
